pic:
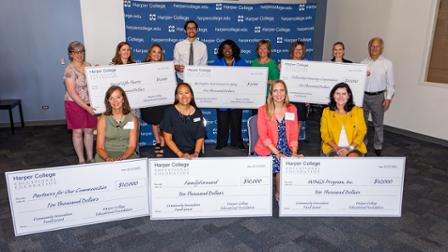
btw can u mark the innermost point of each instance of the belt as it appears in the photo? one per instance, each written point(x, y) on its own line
point(374, 93)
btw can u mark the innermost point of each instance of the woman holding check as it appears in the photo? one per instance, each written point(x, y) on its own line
point(229, 55)
point(183, 125)
point(278, 129)
point(117, 128)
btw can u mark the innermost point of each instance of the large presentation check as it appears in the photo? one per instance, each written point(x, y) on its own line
point(228, 87)
point(56, 198)
point(145, 84)
point(342, 187)
point(211, 187)
point(312, 81)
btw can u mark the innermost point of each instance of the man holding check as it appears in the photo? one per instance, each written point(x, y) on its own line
point(189, 51)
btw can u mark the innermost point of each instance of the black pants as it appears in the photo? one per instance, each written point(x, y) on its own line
point(230, 119)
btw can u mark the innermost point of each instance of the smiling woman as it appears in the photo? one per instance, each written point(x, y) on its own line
point(117, 128)
point(342, 125)
point(183, 125)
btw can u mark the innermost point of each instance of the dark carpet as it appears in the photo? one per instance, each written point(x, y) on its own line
point(422, 227)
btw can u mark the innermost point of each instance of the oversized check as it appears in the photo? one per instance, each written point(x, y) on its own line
point(227, 87)
point(358, 187)
point(61, 197)
point(211, 187)
point(145, 84)
point(312, 81)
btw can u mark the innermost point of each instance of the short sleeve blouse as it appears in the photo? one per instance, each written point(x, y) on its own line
point(80, 82)
point(185, 130)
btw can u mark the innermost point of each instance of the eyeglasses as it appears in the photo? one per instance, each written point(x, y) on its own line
point(78, 52)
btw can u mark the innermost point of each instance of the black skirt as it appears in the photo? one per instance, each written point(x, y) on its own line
point(153, 115)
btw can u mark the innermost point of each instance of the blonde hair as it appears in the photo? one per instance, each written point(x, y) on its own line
point(270, 101)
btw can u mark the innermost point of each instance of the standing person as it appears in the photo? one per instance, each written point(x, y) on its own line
point(117, 128)
point(339, 52)
point(229, 55)
point(264, 60)
point(277, 129)
point(80, 115)
point(379, 89)
point(342, 126)
point(123, 54)
point(154, 115)
point(298, 52)
point(183, 125)
point(189, 51)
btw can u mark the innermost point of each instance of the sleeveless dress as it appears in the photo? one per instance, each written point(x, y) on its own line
point(117, 138)
point(282, 146)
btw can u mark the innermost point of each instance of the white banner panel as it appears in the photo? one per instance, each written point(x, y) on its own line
point(227, 87)
point(211, 187)
point(312, 81)
point(358, 187)
point(55, 198)
point(145, 84)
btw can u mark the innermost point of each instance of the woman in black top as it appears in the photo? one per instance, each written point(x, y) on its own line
point(183, 125)
point(338, 53)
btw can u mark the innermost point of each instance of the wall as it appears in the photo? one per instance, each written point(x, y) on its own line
point(34, 38)
point(406, 27)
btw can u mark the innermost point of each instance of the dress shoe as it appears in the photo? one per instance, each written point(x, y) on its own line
point(378, 153)
point(219, 147)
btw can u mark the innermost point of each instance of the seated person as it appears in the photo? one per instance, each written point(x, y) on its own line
point(278, 129)
point(117, 128)
point(342, 126)
point(183, 125)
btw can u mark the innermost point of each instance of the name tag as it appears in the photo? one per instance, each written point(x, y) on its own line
point(289, 116)
point(129, 125)
point(197, 119)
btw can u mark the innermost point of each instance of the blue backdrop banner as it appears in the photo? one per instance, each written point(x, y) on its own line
point(149, 22)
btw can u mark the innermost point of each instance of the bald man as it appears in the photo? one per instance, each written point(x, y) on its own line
point(379, 89)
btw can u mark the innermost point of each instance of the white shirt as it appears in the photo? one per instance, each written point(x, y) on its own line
point(381, 76)
point(181, 54)
point(343, 140)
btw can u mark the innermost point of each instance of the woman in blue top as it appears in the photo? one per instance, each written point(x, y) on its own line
point(229, 55)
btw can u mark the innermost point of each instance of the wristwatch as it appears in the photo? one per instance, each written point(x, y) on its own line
point(351, 147)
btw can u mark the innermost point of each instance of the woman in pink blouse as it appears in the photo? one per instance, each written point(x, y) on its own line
point(278, 129)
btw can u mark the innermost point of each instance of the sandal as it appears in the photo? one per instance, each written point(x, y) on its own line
point(158, 150)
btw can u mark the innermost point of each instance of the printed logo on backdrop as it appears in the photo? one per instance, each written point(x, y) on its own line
point(162, 22)
point(282, 24)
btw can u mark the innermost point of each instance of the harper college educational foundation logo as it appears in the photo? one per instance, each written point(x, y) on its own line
point(218, 6)
point(152, 17)
point(171, 28)
point(279, 40)
point(257, 29)
point(240, 19)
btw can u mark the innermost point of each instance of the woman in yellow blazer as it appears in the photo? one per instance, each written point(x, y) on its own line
point(342, 126)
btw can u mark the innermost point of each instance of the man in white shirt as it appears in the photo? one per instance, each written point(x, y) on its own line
point(379, 89)
point(190, 51)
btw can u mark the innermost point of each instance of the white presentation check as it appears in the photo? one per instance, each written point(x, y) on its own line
point(227, 87)
point(145, 84)
point(211, 187)
point(61, 197)
point(358, 187)
point(312, 81)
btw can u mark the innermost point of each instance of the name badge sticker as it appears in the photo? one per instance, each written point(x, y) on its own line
point(289, 116)
point(129, 125)
point(197, 119)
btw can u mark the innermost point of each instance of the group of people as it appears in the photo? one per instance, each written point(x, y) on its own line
point(179, 129)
